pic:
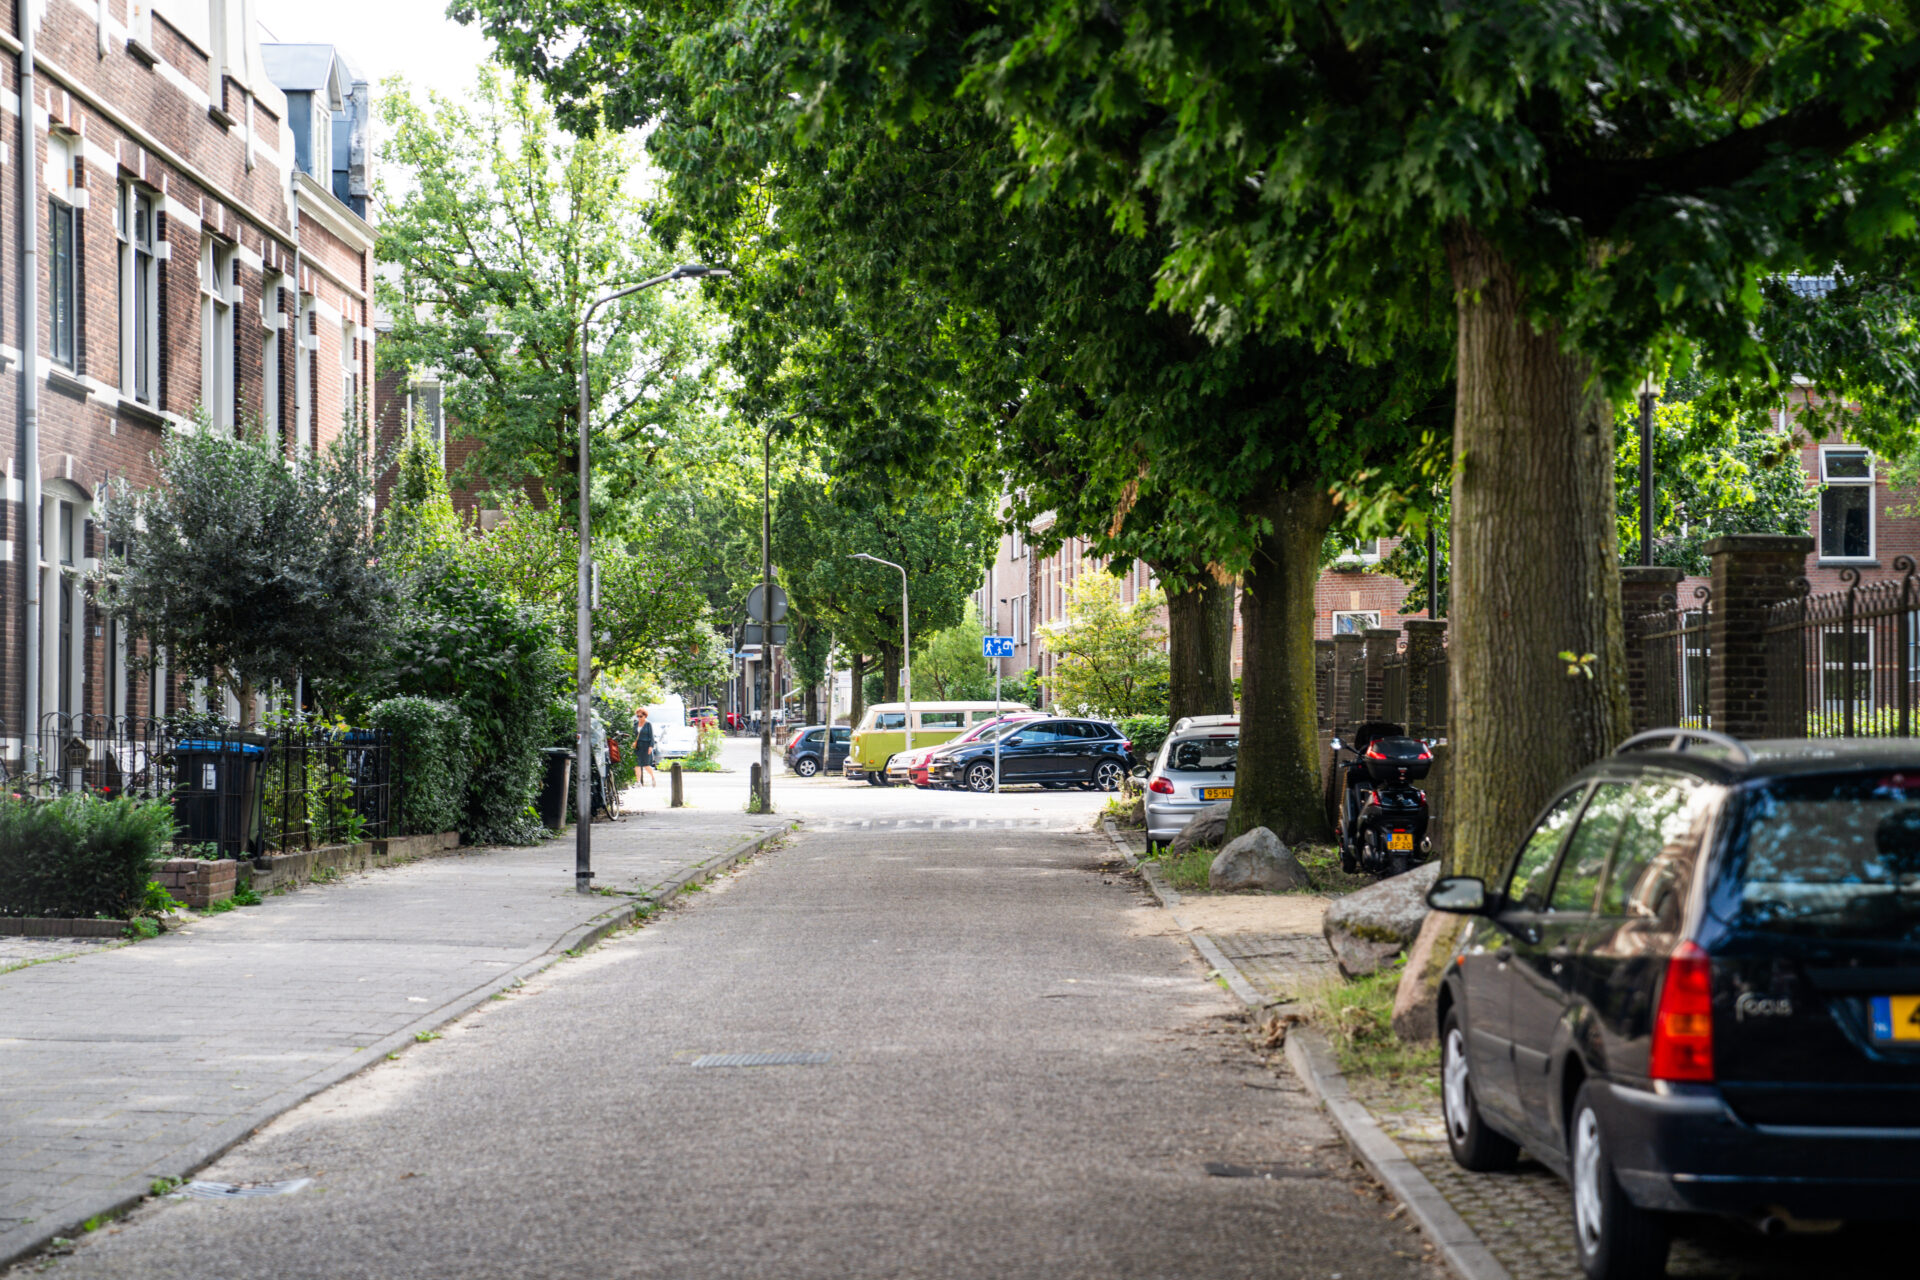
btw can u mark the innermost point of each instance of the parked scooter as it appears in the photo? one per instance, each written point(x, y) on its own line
point(1381, 823)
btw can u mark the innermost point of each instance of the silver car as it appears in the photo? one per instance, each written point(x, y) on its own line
point(1193, 769)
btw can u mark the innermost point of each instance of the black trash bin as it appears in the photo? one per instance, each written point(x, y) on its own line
point(556, 787)
point(218, 790)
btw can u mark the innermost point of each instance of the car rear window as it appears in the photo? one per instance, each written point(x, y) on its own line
point(1203, 755)
point(1833, 855)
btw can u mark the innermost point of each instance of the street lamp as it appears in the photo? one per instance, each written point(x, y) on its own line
point(583, 610)
point(906, 642)
point(1649, 391)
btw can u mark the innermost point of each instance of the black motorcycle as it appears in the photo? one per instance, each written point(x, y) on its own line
point(1381, 817)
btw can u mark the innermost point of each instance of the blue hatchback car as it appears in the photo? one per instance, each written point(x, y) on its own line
point(1697, 990)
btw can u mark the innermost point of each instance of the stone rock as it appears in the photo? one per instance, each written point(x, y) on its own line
point(1371, 926)
point(1257, 860)
point(1205, 829)
point(1417, 999)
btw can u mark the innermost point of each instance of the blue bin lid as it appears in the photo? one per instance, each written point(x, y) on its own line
point(230, 748)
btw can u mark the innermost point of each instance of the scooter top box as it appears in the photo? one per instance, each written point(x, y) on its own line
point(1396, 759)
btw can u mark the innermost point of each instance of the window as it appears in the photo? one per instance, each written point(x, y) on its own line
point(218, 289)
point(1648, 875)
point(890, 720)
point(274, 323)
point(1018, 544)
point(63, 290)
point(349, 376)
point(1351, 553)
point(1203, 755)
point(1527, 886)
point(139, 294)
point(1607, 815)
point(428, 410)
point(942, 719)
point(64, 511)
point(1019, 619)
point(1352, 623)
point(1846, 504)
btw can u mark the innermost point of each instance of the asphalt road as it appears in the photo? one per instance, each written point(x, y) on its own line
point(1026, 1074)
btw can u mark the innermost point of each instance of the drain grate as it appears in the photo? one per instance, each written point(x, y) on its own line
point(762, 1059)
point(1220, 1170)
point(239, 1190)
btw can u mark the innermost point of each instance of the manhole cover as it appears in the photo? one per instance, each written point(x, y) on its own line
point(762, 1059)
point(236, 1190)
point(1221, 1170)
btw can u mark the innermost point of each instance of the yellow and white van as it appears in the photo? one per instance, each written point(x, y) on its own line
point(883, 731)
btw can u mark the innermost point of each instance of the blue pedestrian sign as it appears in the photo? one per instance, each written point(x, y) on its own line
point(996, 646)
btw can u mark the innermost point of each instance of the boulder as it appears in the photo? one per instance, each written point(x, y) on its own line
point(1257, 860)
point(1205, 829)
point(1371, 926)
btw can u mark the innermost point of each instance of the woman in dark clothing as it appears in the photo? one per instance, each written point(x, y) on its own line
point(643, 750)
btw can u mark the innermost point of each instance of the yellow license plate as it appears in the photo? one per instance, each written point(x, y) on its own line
point(1400, 841)
point(1896, 1018)
point(1216, 793)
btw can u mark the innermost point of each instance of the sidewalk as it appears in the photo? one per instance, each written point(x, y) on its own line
point(125, 1064)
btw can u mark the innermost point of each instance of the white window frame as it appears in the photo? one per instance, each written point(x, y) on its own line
point(1360, 556)
point(63, 570)
point(1869, 482)
point(62, 204)
point(273, 324)
point(139, 319)
point(1372, 616)
point(349, 375)
point(218, 294)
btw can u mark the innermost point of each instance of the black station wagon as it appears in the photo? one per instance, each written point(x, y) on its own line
point(1697, 990)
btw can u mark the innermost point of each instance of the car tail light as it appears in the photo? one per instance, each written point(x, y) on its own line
point(1161, 786)
point(1683, 1022)
point(1373, 798)
point(1126, 746)
point(1421, 794)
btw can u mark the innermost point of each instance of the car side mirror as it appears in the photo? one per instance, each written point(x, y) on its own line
point(1140, 771)
point(1014, 742)
point(1461, 895)
point(1337, 745)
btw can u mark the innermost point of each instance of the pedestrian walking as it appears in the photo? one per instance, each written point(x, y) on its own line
point(645, 754)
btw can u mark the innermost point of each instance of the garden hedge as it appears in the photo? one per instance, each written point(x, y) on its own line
point(1146, 733)
point(80, 855)
point(433, 761)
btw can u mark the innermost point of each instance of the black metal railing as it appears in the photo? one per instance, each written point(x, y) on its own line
point(1844, 664)
point(1436, 723)
point(1678, 661)
point(1393, 688)
point(294, 786)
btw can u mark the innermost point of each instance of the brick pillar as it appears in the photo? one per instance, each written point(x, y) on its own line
point(1324, 686)
point(1426, 641)
point(1643, 589)
point(1751, 572)
point(1346, 656)
point(1381, 641)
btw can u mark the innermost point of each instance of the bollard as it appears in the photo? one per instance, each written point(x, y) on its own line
point(679, 798)
point(753, 782)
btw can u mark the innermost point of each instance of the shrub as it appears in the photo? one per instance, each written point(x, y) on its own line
point(1146, 733)
point(80, 855)
point(432, 761)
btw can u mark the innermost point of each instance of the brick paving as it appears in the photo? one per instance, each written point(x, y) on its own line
point(1279, 965)
point(119, 1062)
point(18, 951)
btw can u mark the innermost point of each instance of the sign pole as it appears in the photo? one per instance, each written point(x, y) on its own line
point(997, 729)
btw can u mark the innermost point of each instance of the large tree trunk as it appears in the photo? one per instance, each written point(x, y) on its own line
point(857, 706)
point(1536, 568)
point(1200, 650)
point(1277, 785)
point(243, 693)
point(890, 673)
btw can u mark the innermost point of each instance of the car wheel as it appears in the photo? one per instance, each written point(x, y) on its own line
point(980, 776)
point(876, 779)
point(1107, 775)
point(806, 766)
point(1616, 1239)
point(1473, 1144)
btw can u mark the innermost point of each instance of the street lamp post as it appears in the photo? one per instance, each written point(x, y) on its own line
point(1648, 391)
point(583, 609)
point(906, 642)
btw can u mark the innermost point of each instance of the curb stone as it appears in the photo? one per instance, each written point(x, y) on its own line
point(67, 1221)
point(1313, 1062)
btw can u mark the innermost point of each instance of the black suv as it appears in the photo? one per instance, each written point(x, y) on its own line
point(805, 756)
point(1697, 990)
point(1054, 753)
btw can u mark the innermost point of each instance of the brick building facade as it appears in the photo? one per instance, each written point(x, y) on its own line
point(182, 262)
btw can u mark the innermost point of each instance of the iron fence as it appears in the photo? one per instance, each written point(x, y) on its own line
point(1678, 662)
point(1844, 664)
point(1436, 725)
point(1393, 688)
point(296, 786)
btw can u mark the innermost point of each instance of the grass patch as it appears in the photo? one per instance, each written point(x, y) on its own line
point(1356, 1017)
point(1188, 872)
point(1126, 811)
